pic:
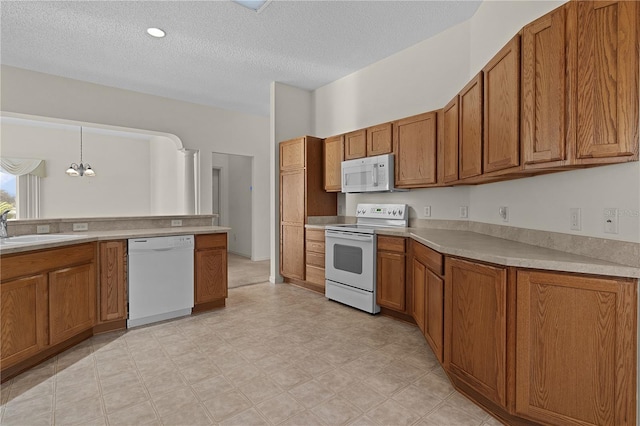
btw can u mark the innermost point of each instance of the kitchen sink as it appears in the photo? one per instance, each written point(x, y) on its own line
point(29, 239)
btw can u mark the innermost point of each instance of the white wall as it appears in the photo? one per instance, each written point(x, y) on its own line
point(291, 117)
point(203, 128)
point(425, 77)
point(166, 181)
point(240, 204)
point(122, 185)
point(221, 161)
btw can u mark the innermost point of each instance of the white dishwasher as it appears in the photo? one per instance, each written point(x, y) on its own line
point(160, 278)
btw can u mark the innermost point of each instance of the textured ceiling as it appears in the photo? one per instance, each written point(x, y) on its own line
point(215, 52)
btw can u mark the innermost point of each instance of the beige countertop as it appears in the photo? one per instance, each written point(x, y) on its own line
point(84, 237)
point(500, 251)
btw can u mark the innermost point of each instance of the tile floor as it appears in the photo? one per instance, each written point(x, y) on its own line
point(276, 355)
point(243, 271)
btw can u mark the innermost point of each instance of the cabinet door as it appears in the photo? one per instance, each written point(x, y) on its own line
point(292, 154)
point(72, 301)
point(379, 140)
point(390, 276)
point(434, 313)
point(24, 318)
point(113, 281)
point(471, 114)
point(355, 144)
point(502, 109)
point(607, 79)
point(419, 294)
point(292, 262)
point(450, 141)
point(414, 142)
point(476, 326)
point(210, 275)
point(333, 157)
point(292, 197)
point(544, 89)
point(575, 349)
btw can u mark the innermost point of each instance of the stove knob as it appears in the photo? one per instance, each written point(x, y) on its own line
point(389, 212)
point(400, 212)
point(395, 212)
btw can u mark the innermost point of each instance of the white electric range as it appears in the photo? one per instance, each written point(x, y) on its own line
point(350, 260)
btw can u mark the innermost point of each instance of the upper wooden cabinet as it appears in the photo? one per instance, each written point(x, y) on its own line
point(544, 89)
point(450, 138)
point(607, 81)
point(576, 349)
point(379, 139)
point(414, 144)
point(355, 144)
point(470, 136)
point(502, 109)
point(333, 155)
point(292, 155)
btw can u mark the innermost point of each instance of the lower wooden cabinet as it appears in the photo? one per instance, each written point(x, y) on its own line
point(391, 286)
point(210, 271)
point(315, 248)
point(576, 349)
point(24, 316)
point(475, 327)
point(292, 264)
point(112, 293)
point(72, 302)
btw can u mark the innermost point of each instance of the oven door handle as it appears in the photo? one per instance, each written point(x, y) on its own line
point(349, 236)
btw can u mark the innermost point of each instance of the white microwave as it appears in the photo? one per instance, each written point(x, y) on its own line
point(369, 174)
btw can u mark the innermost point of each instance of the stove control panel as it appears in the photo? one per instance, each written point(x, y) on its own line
point(382, 211)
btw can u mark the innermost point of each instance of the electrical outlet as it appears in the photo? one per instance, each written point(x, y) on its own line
point(176, 222)
point(611, 221)
point(575, 217)
point(80, 226)
point(464, 212)
point(427, 211)
point(42, 229)
point(503, 211)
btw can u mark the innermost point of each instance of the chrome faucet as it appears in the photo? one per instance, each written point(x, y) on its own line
point(3, 224)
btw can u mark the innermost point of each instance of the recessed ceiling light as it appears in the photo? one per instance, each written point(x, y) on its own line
point(156, 32)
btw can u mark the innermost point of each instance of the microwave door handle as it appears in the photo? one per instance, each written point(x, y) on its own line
point(374, 174)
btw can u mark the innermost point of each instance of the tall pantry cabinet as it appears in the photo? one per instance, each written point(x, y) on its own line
point(302, 195)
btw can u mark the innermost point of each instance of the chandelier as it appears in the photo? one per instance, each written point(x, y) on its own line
point(81, 169)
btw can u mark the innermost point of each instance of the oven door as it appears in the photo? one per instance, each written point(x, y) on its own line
point(350, 259)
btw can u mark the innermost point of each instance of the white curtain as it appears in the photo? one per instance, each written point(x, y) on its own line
point(23, 166)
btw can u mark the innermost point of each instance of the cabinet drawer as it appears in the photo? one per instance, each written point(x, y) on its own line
point(431, 258)
point(211, 241)
point(315, 275)
point(315, 259)
point(316, 247)
point(315, 235)
point(396, 244)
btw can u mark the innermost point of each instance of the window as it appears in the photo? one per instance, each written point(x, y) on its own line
point(8, 192)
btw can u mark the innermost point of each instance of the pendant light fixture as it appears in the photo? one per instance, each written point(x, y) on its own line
point(81, 169)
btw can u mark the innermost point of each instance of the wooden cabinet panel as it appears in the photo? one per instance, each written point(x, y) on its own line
point(315, 246)
point(607, 79)
point(419, 294)
point(113, 281)
point(355, 144)
point(72, 301)
point(24, 314)
point(576, 349)
point(391, 244)
point(476, 326)
point(210, 274)
point(470, 137)
point(391, 281)
point(292, 197)
point(292, 262)
point(414, 144)
point(333, 157)
point(502, 109)
point(434, 313)
point(315, 235)
point(210, 241)
point(292, 154)
point(544, 89)
point(431, 258)
point(449, 149)
point(379, 140)
point(315, 275)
